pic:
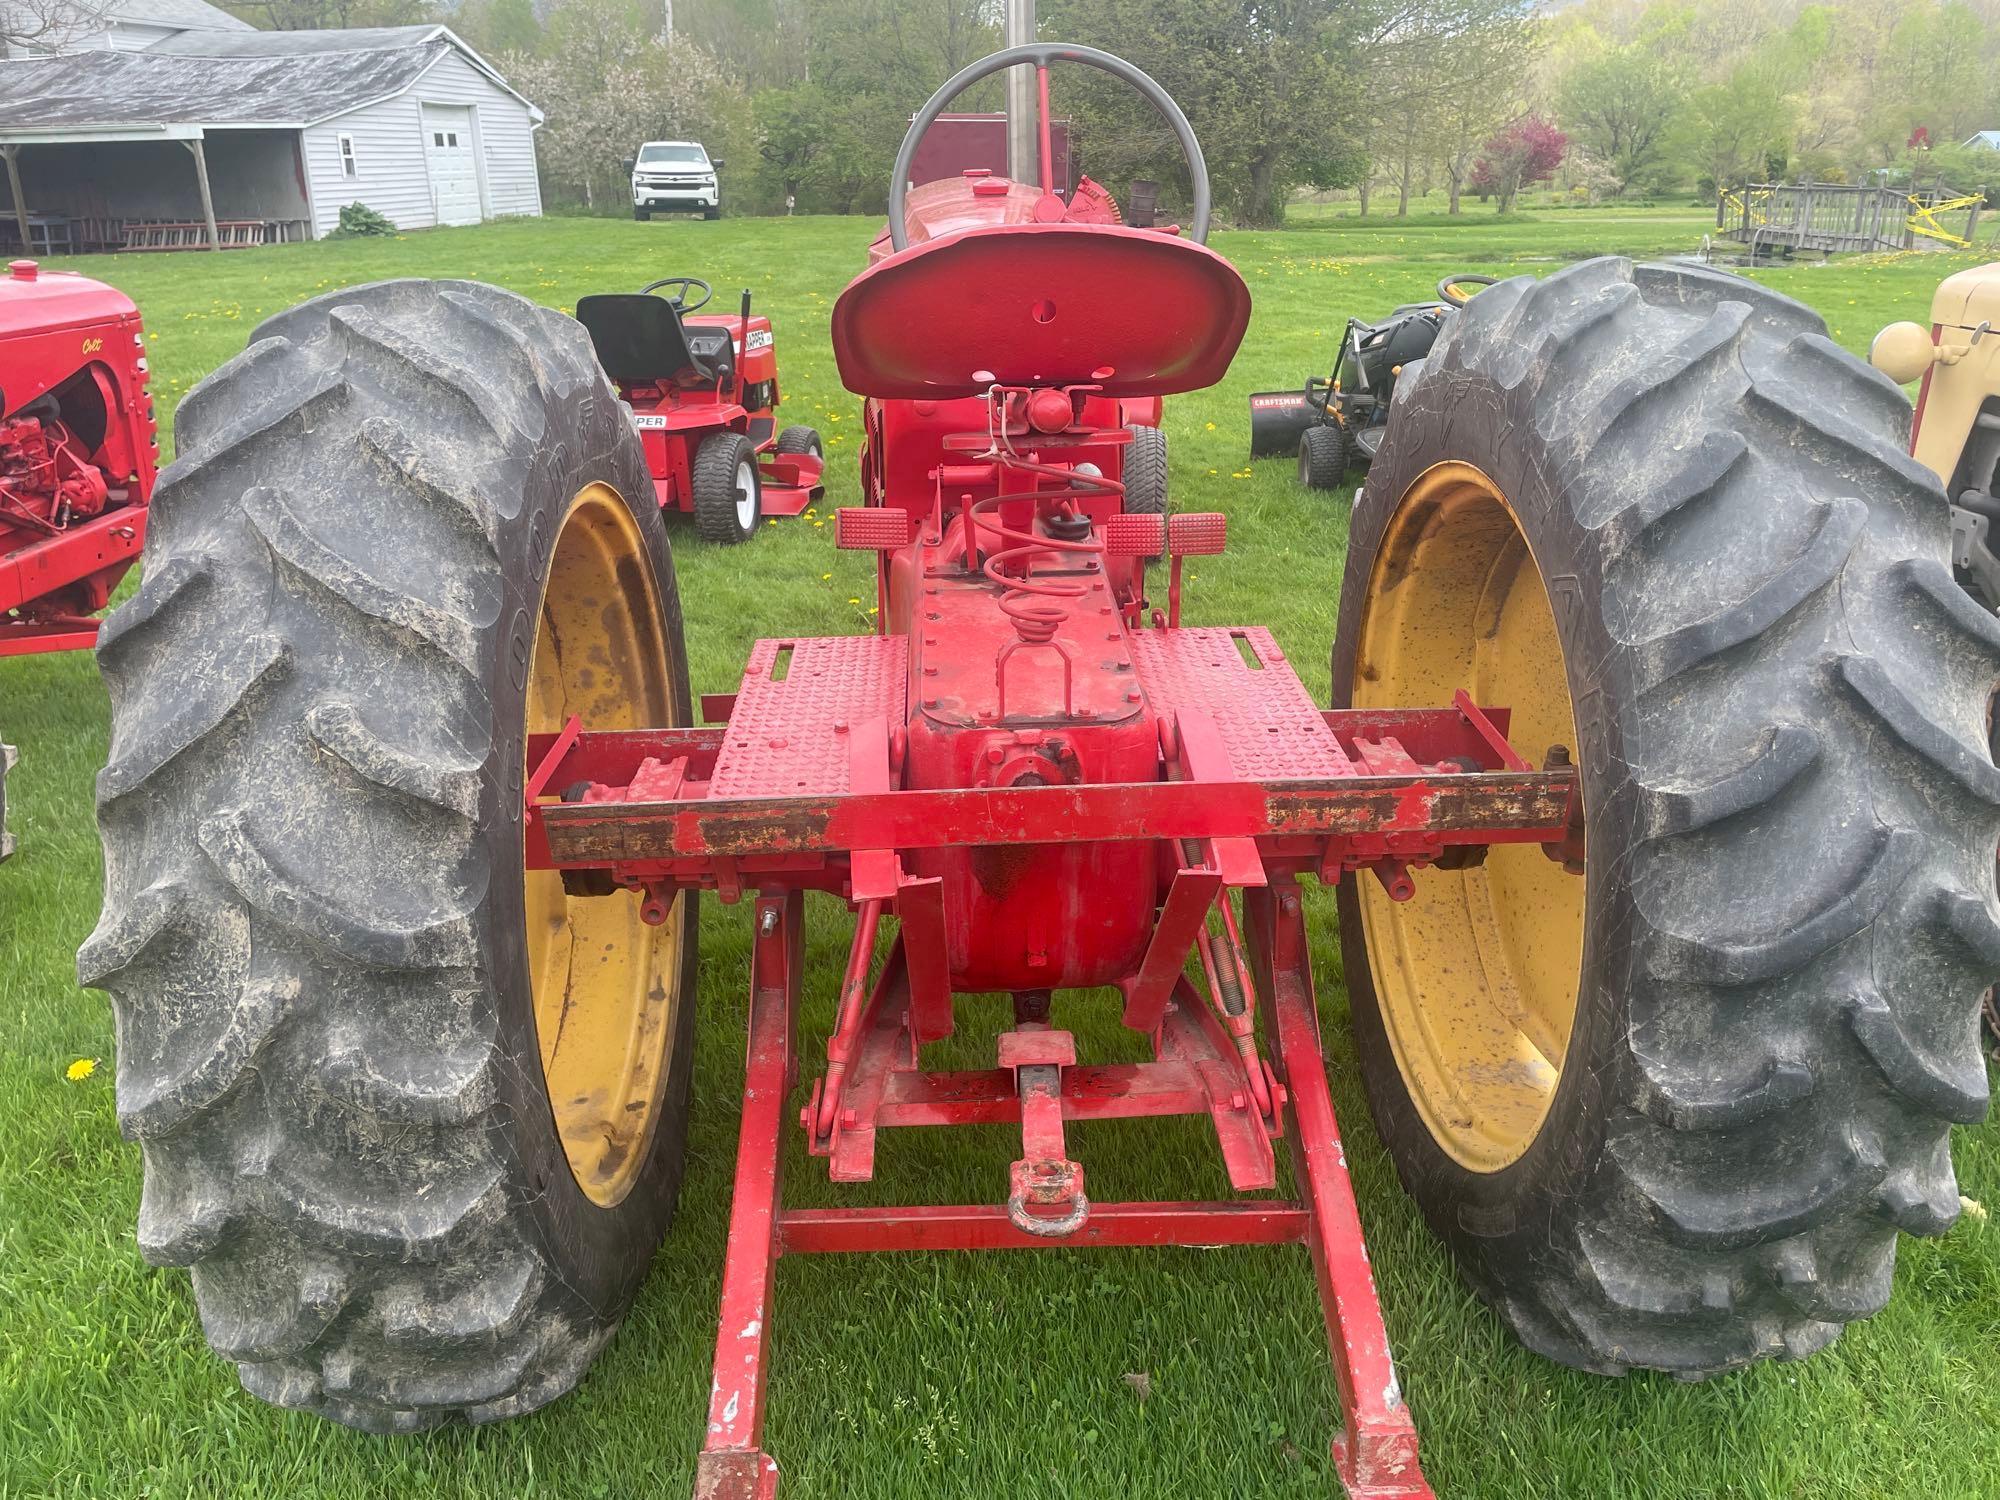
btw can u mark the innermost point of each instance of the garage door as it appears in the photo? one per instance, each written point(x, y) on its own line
point(454, 170)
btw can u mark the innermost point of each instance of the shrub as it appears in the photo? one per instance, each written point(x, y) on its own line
point(359, 219)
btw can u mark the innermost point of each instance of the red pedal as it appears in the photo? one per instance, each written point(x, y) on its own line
point(871, 528)
point(1135, 536)
point(1197, 534)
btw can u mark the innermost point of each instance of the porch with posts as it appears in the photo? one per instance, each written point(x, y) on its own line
point(164, 187)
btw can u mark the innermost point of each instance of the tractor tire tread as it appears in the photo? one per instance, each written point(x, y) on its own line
point(1323, 457)
point(296, 932)
point(1145, 473)
point(1795, 990)
point(799, 438)
point(713, 484)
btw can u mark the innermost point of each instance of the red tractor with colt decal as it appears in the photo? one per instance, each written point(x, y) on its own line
point(703, 389)
point(77, 456)
point(1652, 797)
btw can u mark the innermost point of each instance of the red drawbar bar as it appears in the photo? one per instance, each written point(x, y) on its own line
point(1205, 1226)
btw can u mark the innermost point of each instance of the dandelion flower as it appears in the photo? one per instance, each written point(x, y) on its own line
point(81, 1069)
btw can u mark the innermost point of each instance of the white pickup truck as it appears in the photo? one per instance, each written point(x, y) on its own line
point(674, 177)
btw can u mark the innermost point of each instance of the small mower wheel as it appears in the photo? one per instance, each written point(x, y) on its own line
point(801, 439)
point(642, 214)
point(1323, 457)
point(408, 527)
point(728, 493)
point(1146, 472)
point(1671, 1112)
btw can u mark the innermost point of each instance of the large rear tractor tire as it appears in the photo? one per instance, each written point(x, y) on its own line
point(1672, 1112)
point(412, 1115)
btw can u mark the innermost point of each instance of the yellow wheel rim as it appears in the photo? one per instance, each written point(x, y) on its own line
point(606, 984)
point(1476, 976)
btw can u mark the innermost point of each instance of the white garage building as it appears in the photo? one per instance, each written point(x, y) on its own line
point(227, 137)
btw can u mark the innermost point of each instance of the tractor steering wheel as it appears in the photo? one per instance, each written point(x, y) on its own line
point(1041, 54)
point(686, 285)
point(1448, 289)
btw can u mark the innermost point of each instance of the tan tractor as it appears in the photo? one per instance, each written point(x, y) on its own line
point(1956, 431)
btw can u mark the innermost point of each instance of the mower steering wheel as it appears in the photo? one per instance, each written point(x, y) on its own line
point(1041, 54)
point(686, 285)
point(1448, 289)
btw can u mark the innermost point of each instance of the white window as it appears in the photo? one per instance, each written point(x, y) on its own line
point(444, 137)
point(346, 155)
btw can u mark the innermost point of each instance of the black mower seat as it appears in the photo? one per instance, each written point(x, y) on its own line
point(639, 337)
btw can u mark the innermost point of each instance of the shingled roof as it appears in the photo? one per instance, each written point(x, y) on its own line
point(253, 43)
point(113, 89)
point(182, 13)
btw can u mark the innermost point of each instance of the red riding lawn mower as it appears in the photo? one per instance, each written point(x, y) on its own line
point(704, 393)
point(77, 455)
point(409, 822)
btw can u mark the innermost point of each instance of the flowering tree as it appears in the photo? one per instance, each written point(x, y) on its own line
point(607, 83)
point(1526, 152)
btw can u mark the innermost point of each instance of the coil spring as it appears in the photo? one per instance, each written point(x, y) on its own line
point(1036, 607)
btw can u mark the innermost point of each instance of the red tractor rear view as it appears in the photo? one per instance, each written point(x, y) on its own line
point(1654, 795)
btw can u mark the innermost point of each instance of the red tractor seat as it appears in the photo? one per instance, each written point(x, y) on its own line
point(640, 337)
point(1138, 312)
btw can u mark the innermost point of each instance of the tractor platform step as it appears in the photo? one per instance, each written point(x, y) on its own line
point(1236, 677)
point(793, 728)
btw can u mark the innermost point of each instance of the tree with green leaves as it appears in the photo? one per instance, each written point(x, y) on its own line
point(1267, 87)
point(1729, 130)
point(1623, 104)
point(494, 27)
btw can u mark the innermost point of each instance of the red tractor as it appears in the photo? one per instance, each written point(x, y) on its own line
point(1653, 798)
point(704, 395)
point(77, 455)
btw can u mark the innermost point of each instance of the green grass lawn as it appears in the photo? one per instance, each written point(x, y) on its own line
point(930, 1375)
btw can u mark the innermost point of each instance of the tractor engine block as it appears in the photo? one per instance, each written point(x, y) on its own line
point(45, 479)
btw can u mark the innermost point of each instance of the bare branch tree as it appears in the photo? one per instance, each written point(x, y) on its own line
point(28, 27)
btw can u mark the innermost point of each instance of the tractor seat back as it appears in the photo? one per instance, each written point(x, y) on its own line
point(1135, 311)
point(639, 337)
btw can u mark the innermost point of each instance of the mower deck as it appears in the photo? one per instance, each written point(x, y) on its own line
point(799, 789)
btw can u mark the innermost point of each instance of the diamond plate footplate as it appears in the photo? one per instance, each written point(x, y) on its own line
point(1266, 719)
point(790, 738)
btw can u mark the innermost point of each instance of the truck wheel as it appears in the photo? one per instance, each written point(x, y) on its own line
point(413, 1179)
point(711, 213)
point(641, 214)
point(1671, 1113)
point(1146, 472)
point(800, 439)
point(728, 494)
point(1323, 457)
